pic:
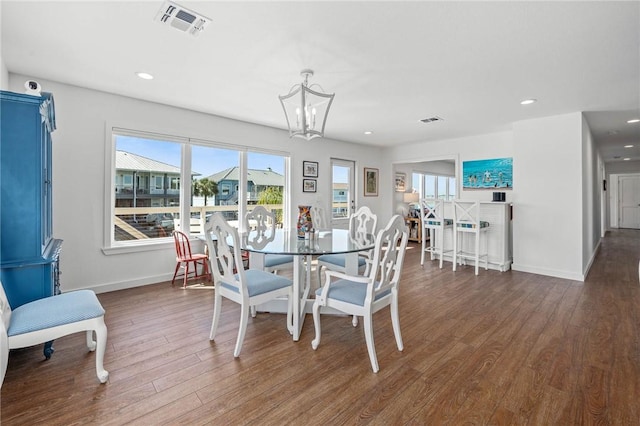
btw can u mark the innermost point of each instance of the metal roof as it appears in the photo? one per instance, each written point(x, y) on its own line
point(128, 161)
point(257, 176)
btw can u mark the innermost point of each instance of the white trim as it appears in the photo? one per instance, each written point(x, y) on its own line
point(549, 272)
point(612, 188)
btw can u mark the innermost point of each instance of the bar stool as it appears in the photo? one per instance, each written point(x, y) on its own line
point(466, 220)
point(432, 218)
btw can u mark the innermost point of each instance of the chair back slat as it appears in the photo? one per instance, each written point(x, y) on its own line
point(263, 224)
point(362, 224)
point(183, 246)
point(431, 209)
point(223, 243)
point(388, 255)
point(319, 218)
point(467, 213)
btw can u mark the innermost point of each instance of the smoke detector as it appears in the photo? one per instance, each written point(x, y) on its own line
point(181, 18)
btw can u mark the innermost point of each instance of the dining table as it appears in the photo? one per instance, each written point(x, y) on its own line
point(288, 242)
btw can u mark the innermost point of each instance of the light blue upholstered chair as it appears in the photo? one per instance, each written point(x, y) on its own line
point(263, 222)
point(362, 223)
point(50, 318)
point(249, 287)
point(365, 295)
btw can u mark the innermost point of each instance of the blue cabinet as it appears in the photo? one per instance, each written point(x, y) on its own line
point(29, 255)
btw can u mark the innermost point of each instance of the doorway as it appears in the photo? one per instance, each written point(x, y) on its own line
point(342, 192)
point(629, 201)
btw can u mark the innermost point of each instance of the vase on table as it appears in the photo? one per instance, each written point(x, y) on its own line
point(304, 220)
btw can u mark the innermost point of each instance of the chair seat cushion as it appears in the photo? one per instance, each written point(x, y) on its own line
point(260, 282)
point(54, 311)
point(436, 222)
point(483, 224)
point(339, 259)
point(350, 292)
point(271, 260)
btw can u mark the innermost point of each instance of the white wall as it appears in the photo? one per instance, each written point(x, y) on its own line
point(556, 179)
point(4, 74)
point(79, 174)
point(493, 145)
point(547, 211)
point(591, 198)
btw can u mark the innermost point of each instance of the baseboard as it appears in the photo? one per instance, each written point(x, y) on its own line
point(548, 272)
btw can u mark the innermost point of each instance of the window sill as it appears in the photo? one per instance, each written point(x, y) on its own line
point(139, 246)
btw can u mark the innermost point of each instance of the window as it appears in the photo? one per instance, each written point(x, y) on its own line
point(266, 183)
point(431, 186)
point(150, 183)
point(342, 191)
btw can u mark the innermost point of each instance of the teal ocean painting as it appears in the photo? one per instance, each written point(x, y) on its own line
point(488, 174)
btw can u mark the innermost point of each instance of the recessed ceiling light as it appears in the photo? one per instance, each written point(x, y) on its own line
point(626, 159)
point(635, 120)
point(528, 101)
point(368, 132)
point(628, 146)
point(144, 75)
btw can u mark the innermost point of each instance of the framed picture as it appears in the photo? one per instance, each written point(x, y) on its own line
point(310, 169)
point(492, 174)
point(401, 180)
point(308, 185)
point(370, 182)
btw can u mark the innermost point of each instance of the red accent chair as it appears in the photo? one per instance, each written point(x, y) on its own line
point(187, 260)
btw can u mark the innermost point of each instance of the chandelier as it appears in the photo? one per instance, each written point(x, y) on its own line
point(306, 109)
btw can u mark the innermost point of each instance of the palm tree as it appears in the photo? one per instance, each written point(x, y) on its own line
point(272, 195)
point(206, 188)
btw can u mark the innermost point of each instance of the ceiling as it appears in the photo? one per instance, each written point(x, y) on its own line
point(390, 64)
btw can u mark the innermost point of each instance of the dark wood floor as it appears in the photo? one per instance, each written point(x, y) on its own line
point(500, 348)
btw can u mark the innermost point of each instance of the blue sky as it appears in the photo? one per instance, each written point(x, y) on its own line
point(205, 160)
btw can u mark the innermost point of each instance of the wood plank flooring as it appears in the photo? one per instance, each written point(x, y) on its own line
point(499, 348)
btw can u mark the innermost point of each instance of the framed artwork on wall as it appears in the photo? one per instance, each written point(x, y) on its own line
point(308, 185)
point(492, 174)
point(401, 182)
point(310, 169)
point(370, 182)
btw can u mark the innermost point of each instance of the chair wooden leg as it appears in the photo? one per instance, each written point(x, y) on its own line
point(217, 305)
point(290, 312)
point(455, 249)
point(244, 319)
point(477, 251)
point(316, 322)
point(175, 273)
point(368, 336)
point(101, 345)
point(395, 321)
point(186, 272)
point(91, 344)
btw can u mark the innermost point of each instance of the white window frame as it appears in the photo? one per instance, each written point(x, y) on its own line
point(111, 246)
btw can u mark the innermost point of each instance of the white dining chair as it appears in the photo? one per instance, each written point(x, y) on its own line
point(434, 225)
point(466, 221)
point(264, 229)
point(319, 218)
point(364, 295)
point(247, 288)
point(361, 224)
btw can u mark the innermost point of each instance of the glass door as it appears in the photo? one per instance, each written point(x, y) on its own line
point(342, 192)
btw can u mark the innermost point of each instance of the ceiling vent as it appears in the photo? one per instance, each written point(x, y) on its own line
point(181, 18)
point(431, 119)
